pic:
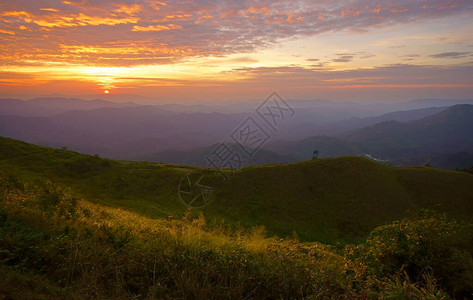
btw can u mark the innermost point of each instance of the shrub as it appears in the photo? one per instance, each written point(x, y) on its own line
point(55, 200)
point(424, 244)
point(402, 287)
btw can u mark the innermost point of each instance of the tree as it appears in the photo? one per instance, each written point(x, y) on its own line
point(315, 155)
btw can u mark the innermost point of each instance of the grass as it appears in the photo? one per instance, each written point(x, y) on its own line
point(99, 251)
point(52, 246)
point(77, 226)
point(339, 199)
point(328, 200)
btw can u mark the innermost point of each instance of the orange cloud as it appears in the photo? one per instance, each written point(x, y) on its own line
point(350, 12)
point(72, 20)
point(129, 50)
point(253, 10)
point(229, 14)
point(399, 10)
point(174, 17)
point(23, 15)
point(377, 10)
point(7, 32)
point(445, 6)
point(49, 9)
point(156, 27)
point(292, 18)
point(129, 9)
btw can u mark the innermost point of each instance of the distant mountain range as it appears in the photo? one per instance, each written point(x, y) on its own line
point(443, 140)
point(111, 131)
point(439, 136)
point(52, 106)
point(323, 110)
point(449, 131)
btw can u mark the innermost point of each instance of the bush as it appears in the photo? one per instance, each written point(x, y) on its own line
point(401, 287)
point(55, 200)
point(420, 245)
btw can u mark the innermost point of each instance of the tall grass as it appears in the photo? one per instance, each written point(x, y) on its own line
point(78, 249)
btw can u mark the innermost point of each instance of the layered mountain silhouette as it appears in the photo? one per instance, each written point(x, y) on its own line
point(439, 136)
point(445, 133)
point(52, 105)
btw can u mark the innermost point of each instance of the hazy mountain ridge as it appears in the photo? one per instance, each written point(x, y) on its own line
point(48, 106)
point(449, 130)
point(143, 131)
point(109, 128)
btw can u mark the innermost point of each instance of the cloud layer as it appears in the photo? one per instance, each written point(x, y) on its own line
point(117, 33)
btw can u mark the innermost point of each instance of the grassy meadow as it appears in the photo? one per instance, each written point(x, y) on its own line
point(78, 226)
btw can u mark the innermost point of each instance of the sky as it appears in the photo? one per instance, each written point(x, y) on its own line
point(196, 50)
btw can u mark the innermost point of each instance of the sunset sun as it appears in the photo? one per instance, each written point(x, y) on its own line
point(106, 92)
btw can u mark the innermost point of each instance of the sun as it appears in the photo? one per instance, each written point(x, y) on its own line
point(106, 92)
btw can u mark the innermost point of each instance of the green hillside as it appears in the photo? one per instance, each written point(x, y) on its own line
point(340, 198)
point(75, 226)
point(321, 200)
point(148, 188)
point(328, 200)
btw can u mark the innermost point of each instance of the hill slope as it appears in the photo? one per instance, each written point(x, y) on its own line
point(330, 200)
point(342, 197)
point(53, 246)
